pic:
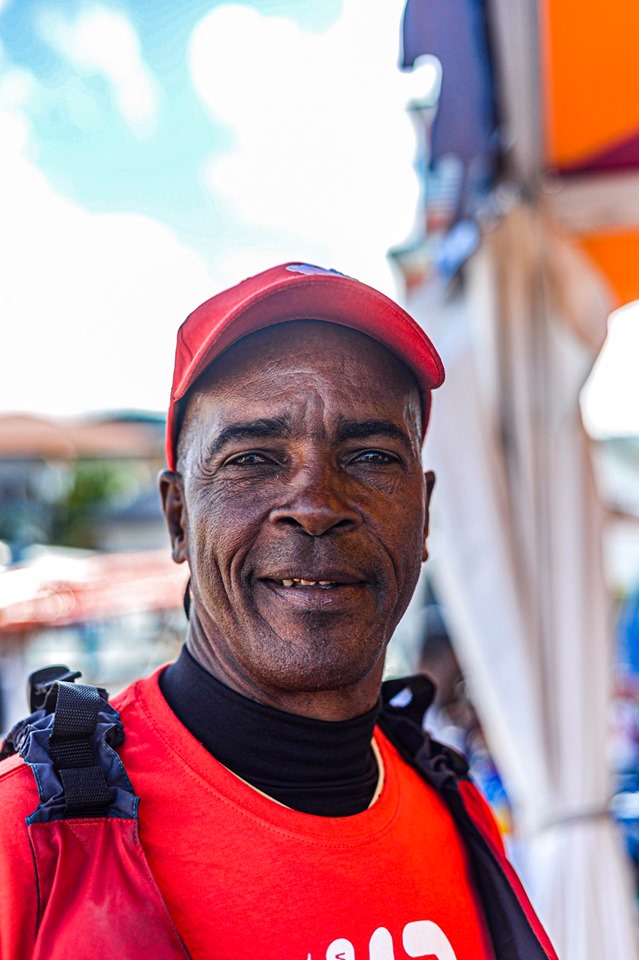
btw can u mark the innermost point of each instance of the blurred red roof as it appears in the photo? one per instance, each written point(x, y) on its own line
point(23, 436)
point(62, 589)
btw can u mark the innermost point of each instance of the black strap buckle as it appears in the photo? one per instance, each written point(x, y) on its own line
point(41, 681)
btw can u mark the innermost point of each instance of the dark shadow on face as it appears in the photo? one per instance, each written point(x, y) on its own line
point(300, 461)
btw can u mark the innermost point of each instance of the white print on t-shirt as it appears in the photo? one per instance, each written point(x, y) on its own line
point(421, 938)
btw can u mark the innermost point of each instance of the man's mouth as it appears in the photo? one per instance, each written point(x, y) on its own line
point(302, 583)
point(330, 591)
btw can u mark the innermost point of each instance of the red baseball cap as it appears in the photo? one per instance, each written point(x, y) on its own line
point(296, 291)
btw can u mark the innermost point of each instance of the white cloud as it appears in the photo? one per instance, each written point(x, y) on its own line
point(610, 399)
point(321, 172)
point(322, 144)
point(17, 87)
point(90, 303)
point(102, 41)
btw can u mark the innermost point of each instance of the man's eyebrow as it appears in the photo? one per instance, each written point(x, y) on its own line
point(265, 428)
point(365, 429)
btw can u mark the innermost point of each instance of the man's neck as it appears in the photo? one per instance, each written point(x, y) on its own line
point(333, 705)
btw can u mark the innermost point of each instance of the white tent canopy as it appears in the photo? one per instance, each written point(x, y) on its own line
point(518, 562)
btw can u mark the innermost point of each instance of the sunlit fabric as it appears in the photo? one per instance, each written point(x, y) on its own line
point(519, 565)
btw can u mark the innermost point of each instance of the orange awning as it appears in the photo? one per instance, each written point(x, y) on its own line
point(591, 83)
point(590, 111)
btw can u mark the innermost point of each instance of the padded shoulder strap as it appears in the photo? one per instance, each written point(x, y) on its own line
point(514, 928)
point(68, 741)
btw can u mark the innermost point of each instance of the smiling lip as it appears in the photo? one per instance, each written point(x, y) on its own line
point(307, 581)
point(332, 596)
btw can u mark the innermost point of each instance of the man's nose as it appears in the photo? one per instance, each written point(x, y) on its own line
point(316, 503)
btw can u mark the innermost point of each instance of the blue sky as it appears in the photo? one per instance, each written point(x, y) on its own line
point(79, 135)
point(154, 153)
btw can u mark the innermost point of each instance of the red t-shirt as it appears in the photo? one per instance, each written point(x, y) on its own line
point(243, 876)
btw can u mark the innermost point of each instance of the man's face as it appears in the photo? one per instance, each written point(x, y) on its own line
point(301, 507)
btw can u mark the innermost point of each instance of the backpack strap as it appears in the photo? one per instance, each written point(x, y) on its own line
point(68, 740)
point(96, 893)
point(514, 927)
point(86, 792)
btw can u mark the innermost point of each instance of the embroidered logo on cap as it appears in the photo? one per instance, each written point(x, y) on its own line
point(309, 270)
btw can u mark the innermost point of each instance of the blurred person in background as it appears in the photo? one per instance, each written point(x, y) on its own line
point(452, 718)
point(266, 794)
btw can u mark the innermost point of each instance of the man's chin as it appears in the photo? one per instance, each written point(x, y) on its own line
point(309, 657)
point(300, 682)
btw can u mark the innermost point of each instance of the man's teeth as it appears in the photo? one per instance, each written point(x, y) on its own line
point(308, 583)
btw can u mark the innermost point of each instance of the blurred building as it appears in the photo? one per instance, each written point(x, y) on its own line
point(86, 575)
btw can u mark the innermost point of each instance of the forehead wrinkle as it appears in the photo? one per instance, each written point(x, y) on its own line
point(287, 344)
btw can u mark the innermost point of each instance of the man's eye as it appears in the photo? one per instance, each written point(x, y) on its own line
point(247, 460)
point(374, 456)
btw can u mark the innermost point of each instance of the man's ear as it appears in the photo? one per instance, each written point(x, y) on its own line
point(429, 477)
point(174, 507)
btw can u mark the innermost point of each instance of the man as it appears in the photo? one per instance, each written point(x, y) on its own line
point(277, 817)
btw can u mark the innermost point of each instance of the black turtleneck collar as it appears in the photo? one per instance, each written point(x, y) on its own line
point(315, 766)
